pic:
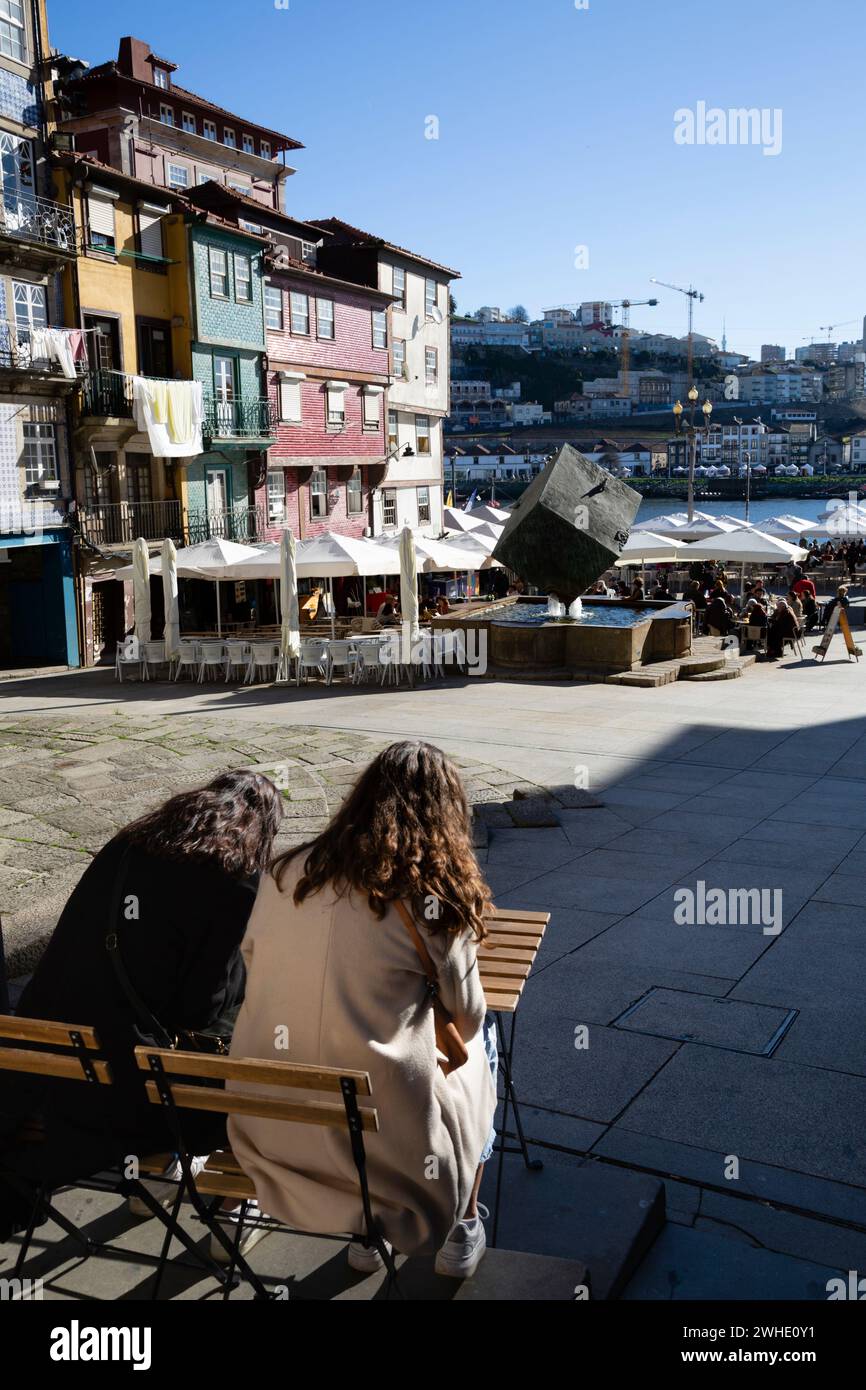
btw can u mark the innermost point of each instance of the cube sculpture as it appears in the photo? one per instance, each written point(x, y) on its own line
point(568, 527)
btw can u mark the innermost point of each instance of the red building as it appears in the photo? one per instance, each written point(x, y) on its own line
point(327, 373)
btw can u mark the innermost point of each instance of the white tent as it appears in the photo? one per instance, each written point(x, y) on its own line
point(644, 545)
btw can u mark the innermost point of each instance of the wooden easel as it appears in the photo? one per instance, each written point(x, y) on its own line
point(838, 619)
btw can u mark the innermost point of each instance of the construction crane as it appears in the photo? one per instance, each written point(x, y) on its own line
point(692, 294)
point(828, 327)
point(626, 305)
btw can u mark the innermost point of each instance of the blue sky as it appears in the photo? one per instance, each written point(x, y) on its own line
point(556, 131)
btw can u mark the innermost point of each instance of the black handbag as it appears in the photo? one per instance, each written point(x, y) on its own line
point(148, 1029)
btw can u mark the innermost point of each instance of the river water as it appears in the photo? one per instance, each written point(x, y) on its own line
point(806, 507)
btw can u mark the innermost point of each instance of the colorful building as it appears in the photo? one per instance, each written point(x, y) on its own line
point(37, 241)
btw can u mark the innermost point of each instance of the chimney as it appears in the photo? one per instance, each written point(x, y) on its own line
point(132, 59)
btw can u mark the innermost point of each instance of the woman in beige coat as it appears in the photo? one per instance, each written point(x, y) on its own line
point(334, 978)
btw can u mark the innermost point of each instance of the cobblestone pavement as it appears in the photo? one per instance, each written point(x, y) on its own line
point(68, 784)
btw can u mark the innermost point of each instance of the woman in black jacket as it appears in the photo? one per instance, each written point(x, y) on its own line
point(175, 889)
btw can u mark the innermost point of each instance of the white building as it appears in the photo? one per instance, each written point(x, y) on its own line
point(595, 311)
point(530, 413)
point(780, 385)
point(475, 333)
point(419, 337)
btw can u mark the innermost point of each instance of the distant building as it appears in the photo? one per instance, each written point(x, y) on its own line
point(530, 413)
point(594, 311)
point(470, 391)
point(493, 333)
point(488, 313)
point(771, 352)
point(780, 385)
point(846, 381)
point(822, 354)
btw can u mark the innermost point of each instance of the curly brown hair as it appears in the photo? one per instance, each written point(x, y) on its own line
point(231, 822)
point(403, 832)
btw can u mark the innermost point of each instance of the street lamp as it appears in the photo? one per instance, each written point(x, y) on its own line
point(692, 428)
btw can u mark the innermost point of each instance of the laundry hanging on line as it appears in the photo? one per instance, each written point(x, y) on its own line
point(171, 414)
point(62, 345)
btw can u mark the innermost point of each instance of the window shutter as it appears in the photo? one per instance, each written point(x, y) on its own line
point(290, 400)
point(150, 233)
point(100, 214)
point(371, 408)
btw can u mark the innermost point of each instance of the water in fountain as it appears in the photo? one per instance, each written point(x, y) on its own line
point(555, 608)
point(575, 610)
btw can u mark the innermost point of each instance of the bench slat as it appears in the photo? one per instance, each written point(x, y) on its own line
point(502, 1003)
point(42, 1030)
point(222, 1161)
point(307, 1112)
point(254, 1071)
point(507, 938)
point(516, 914)
point(224, 1185)
point(58, 1064)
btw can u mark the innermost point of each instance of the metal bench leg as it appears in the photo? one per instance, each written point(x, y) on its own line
point(534, 1165)
point(373, 1234)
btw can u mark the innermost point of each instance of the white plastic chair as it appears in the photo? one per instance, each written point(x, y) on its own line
point(188, 657)
point(127, 655)
point(212, 657)
point(264, 657)
point(313, 657)
point(367, 665)
point(152, 655)
point(237, 655)
point(341, 656)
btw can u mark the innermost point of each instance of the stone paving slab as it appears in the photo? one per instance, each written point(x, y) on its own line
point(686, 1017)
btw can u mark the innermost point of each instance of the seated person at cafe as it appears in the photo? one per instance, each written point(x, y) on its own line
point(695, 595)
point(637, 594)
point(796, 608)
point(781, 628)
point(442, 605)
point(720, 612)
point(662, 592)
point(841, 600)
point(388, 613)
point(756, 609)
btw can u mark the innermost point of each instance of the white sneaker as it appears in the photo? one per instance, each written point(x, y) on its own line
point(251, 1236)
point(164, 1189)
point(365, 1259)
point(464, 1249)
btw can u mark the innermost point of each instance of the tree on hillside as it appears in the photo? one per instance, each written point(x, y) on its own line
point(519, 314)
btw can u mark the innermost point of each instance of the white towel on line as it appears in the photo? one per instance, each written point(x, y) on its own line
point(162, 445)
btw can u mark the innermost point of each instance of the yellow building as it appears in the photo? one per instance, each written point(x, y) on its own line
point(128, 291)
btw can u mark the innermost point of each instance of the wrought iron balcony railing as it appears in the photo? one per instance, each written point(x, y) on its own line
point(245, 524)
point(107, 394)
point(121, 523)
point(20, 350)
point(39, 220)
point(240, 419)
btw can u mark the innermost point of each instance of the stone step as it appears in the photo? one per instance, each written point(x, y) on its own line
point(730, 672)
point(709, 661)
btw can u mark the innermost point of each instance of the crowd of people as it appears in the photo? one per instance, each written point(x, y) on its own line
point(334, 941)
point(851, 554)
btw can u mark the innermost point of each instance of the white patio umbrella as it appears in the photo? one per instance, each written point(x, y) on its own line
point(672, 522)
point(212, 559)
point(703, 527)
point(456, 520)
point(171, 631)
point(290, 630)
point(643, 545)
point(787, 527)
point(735, 521)
point(842, 523)
point(475, 544)
point(408, 589)
point(141, 589)
point(331, 557)
point(747, 548)
point(487, 512)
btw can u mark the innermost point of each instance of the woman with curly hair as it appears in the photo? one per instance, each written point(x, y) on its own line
point(332, 966)
point(175, 889)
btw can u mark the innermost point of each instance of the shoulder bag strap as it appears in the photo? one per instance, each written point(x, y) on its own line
point(149, 1024)
point(419, 944)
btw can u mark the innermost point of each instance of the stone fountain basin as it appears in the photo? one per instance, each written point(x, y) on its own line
point(611, 636)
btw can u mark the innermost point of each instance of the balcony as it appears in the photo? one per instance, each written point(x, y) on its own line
point(23, 365)
point(246, 421)
point(37, 231)
point(107, 395)
point(121, 523)
point(244, 524)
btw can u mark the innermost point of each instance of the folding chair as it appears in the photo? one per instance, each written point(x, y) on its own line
point(367, 662)
point(179, 1082)
point(313, 657)
point(341, 656)
point(152, 655)
point(211, 657)
point(237, 655)
point(188, 658)
point(127, 654)
point(264, 656)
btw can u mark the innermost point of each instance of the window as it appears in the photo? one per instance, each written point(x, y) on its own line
point(290, 398)
point(166, 114)
point(318, 493)
point(370, 409)
point(398, 357)
point(324, 318)
point(30, 310)
point(249, 145)
point(12, 43)
point(422, 434)
point(431, 366)
point(308, 252)
point(336, 397)
point(100, 217)
point(250, 226)
point(138, 487)
point(243, 280)
point(392, 430)
point(40, 453)
point(400, 285)
point(380, 328)
point(274, 307)
point(354, 494)
point(389, 506)
point(160, 78)
point(178, 176)
point(300, 304)
point(189, 123)
point(209, 130)
point(150, 232)
point(219, 273)
point(430, 295)
point(228, 137)
point(265, 149)
point(154, 349)
point(423, 494)
point(276, 494)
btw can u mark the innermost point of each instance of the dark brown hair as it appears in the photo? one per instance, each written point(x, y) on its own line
point(232, 822)
point(403, 832)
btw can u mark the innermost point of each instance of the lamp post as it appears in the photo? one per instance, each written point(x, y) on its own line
point(692, 430)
